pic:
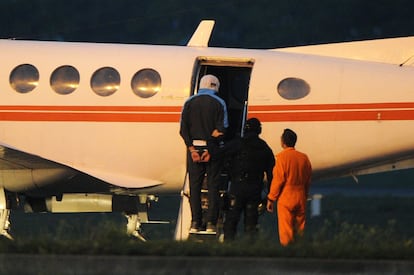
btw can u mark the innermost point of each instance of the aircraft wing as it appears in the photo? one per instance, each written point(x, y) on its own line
point(386, 164)
point(21, 172)
point(398, 51)
point(30, 174)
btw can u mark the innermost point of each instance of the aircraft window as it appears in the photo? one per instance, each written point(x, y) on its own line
point(146, 83)
point(105, 81)
point(64, 80)
point(24, 78)
point(293, 88)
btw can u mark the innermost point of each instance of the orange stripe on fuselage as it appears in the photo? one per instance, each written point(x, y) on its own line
point(91, 113)
point(342, 106)
point(335, 112)
point(266, 113)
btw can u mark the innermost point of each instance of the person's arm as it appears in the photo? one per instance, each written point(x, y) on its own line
point(185, 134)
point(270, 163)
point(277, 183)
point(219, 120)
point(309, 176)
point(222, 122)
point(184, 127)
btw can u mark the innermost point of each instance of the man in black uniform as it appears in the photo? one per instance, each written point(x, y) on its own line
point(203, 113)
point(250, 159)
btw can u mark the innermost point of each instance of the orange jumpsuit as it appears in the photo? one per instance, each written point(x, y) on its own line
point(290, 187)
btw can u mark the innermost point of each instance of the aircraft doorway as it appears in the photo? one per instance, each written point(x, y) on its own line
point(234, 77)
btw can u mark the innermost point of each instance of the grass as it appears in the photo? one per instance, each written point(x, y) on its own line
point(349, 228)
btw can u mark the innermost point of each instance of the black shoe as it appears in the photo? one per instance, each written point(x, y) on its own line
point(194, 227)
point(211, 227)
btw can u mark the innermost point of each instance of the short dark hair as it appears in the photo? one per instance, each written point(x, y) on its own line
point(289, 138)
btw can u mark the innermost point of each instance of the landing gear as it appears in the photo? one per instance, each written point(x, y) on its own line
point(134, 226)
point(4, 215)
point(134, 207)
point(135, 220)
point(140, 216)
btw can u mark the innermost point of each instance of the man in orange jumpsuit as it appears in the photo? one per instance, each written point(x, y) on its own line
point(290, 188)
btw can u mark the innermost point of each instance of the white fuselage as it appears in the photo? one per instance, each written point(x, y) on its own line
point(356, 111)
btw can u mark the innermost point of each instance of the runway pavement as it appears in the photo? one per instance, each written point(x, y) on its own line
point(84, 264)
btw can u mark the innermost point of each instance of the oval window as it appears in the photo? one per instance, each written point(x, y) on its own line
point(65, 80)
point(24, 78)
point(146, 83)
point(293, 88)
point(105, 81)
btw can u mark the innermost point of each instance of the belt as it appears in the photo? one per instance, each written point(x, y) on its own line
point(199, 142)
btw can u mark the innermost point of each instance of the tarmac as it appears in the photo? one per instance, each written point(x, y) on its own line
point(86, 264)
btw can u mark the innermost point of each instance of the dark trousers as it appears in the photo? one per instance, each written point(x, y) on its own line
point(197, 172)
point(244, 198)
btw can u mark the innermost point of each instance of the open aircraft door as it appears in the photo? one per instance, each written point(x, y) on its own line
point(234, 76)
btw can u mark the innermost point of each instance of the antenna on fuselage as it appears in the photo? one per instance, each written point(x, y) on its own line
point(201, 36)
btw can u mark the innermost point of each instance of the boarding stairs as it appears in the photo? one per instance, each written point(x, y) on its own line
point(182, 231)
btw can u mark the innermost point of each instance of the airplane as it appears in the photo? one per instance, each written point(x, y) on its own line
point(94, 127)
